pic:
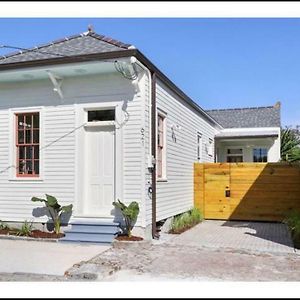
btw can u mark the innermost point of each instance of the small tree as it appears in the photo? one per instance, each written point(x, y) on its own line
point(129, 213)
point(55, 210)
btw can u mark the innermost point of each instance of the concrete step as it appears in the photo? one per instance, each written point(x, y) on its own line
point(91, 231)
point(107, 229)
point(88, 237)
point(94, 221)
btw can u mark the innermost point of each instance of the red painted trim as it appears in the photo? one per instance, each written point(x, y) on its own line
point(25, 145)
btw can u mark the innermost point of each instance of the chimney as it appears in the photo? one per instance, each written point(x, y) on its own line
point(277, 105)
point(90, 28)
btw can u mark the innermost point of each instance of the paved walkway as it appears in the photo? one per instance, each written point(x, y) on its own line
point(43, 257)
point(250, 236)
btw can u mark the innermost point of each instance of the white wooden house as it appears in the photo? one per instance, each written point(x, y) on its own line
point(89, 119)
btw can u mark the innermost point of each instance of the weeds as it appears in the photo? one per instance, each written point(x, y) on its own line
point(25, 230)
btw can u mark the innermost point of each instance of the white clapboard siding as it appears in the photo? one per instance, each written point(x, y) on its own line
point(59, 153)
point(175, 195)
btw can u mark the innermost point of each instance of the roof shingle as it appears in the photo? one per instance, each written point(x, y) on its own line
point(81, 44)
point(252, 117)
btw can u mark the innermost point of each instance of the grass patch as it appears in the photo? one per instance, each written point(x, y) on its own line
point(186, 221)
point(293, 223)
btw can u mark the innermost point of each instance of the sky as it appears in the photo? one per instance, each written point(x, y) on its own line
point(219, 63)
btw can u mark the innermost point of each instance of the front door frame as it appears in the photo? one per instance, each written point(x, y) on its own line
point(81, 119)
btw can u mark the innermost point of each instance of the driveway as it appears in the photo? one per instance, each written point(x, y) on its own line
point(43, 257)
point(237, 235)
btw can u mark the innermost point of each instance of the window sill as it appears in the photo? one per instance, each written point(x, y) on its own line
point(162, 180)
point(25, 179)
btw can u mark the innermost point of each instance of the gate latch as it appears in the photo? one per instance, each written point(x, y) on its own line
point(227, 193)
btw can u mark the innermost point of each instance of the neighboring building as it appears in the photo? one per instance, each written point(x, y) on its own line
point(89, 119)
point(249, 134)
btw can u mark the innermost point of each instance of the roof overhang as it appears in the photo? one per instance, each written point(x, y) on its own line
point(248, 133)
point(111, 55)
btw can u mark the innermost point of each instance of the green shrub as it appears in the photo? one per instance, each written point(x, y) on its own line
point(186, 220)
point(25, 230)
point(196, 215)
point(130, 214)
point(3, 226)
point(55, 210)
point(293, 222)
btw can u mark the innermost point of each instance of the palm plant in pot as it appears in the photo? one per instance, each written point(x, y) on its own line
point(130, 214)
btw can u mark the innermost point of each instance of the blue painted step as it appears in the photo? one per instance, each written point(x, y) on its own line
point(88, 237)
point(91, 231)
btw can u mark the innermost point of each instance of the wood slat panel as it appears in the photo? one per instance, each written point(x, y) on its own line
point(259, 191)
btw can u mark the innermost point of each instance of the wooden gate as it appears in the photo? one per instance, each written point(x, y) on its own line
point(247, 191)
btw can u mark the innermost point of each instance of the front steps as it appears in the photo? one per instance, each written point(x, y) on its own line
point(91, 231)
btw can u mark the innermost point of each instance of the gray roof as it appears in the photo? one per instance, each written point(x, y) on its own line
point(267, 116)
point(80, 44)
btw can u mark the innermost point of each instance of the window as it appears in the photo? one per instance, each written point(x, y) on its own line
point(199, 146)
point(28, 144)
point(210, 147)
point(260, 155)
point(101, 115)
point(161, 146)
point(234, 155)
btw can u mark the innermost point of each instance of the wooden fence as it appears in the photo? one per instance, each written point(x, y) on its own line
point(247, 191)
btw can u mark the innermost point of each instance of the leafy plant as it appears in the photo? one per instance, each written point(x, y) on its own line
point(129, 213)
point(186, 220)
point(290, 143)
point(25, 230)
point(55, 210)
point(3, 226)
point(293, 222)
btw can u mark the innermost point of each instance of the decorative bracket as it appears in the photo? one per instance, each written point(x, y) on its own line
point(57, 82)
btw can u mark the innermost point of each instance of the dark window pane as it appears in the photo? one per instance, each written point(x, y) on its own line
point(260, 155)
point(36, 121)
point(36, 152)
point(29, 152)
point(37, 167)
point(36, 136)
point(21, 122)
point(29, 167)
point(21, 166)
point(28, 136)
point(28, 121)
point(101, 115)
point(234, 151)
point(21, 137)
point(21, 152)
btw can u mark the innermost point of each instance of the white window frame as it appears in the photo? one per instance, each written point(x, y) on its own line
point(12, 172)
point(98, 123)
point(235, 147)
point(260, 147)
point(164, 151)
point(210, 145)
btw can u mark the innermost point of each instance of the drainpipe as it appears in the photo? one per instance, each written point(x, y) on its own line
point(155, 234)
point(152, 142)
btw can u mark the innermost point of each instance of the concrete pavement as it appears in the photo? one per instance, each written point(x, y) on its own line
point(44, 257)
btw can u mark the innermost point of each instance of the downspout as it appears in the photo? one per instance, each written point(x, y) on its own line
point(155, 235)
point(152, 142)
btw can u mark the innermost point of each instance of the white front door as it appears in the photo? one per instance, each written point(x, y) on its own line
point(100, 170)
